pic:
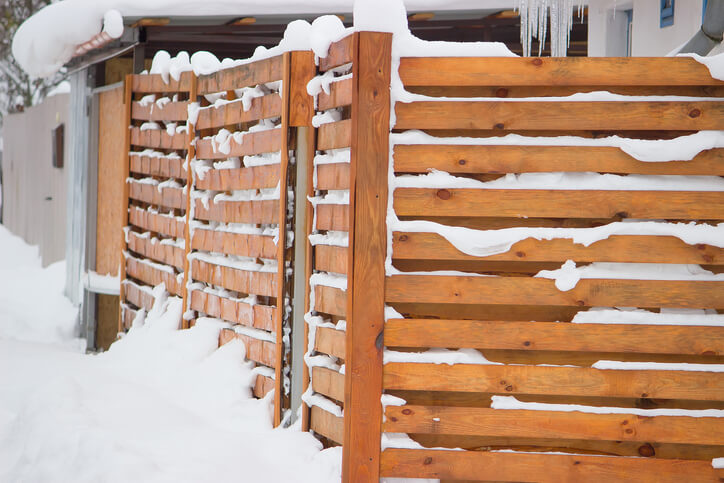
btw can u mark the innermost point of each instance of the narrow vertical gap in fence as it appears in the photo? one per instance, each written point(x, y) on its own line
point(366, 265)
point(190, 155)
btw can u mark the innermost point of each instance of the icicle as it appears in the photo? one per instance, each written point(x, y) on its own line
point(534, 16)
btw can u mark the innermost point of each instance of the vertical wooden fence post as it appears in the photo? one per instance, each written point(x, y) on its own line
point(190, 155)
point(127, 101)
point(368, 246)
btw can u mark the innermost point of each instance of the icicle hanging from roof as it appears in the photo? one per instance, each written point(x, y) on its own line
point(534, 23)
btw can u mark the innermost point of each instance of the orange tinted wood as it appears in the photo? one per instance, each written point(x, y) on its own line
point(340, 94)
point(164, 224)
point(262, 386)
point(685, 205)
point(138, 296)
point(326, 424)
point(233, 112)
point(330, 259)
point(257, 350)
point(149, 193)
point(245, 75)
point(161, 166)
point(571, 381)
point(420, 158)
point(157, 139)
point(257, 316)
point(614, 116)
point(301, 104)
point(330, 341)
point(255, 177)
point(330, 300)
point(258, 246)
point(333, 176)
point(546, 468)
point(568, 71)
point(172, 111)
point(332, 217)
point(257, 212)
point(157, 251)
point(151, 275)
point(555, 336)
point(252, 143)
point(328, 382)
point(539, 291)
point(150, 83)
point(334, 135)
point(339, 53)
point(258, 283)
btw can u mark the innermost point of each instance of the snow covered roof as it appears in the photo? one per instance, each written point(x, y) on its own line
point(51, 37)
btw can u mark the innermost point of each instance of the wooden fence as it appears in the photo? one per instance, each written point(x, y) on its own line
point(222, 224)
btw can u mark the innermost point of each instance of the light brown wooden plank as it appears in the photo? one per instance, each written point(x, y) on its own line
point(253, 143)
point(685, 205)
point(257, 316)
point(159, 223)
point(540, 291)
point(333, 176)
point(327, 424)
point(568, 71)
point(555, 336)
point(258, 246)
point(330, 259)
point(137, 296)
point(257, 350)
point(161, 166)
point(301, 104)
point(248, 282)
point(245, 75)
point(153, 83)
point(340, 94)
point(152, 276)
point(190, 154)
point(262, 386)
point(567, 116)
point(332, 217)
point(254, 177)
point(159, 252)
point(512, 92)
point(616, 248)
point(419, 158)
point(330, 300)
point(328, 382)
point(544, 468)
point(149, 193)
point(340, 53)
point(157, 139)
point(330, 341)
point(170, 112)
point(257, 212)
point(572, 381)
point(233, 113)
point(553, 424)
point(126, 318)
point(334, 135)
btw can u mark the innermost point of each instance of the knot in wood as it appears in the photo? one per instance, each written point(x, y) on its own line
point(520, 254)
point(407, 411)
point(462, 162)
point(537, 62)
point(444, 194)
point(499, 125)
point(403, 238)
point(502, 92)
point(646, 450)
point(694, 113)
point(427, 461)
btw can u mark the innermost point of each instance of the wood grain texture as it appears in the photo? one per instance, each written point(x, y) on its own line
point(245, 75)
point(569, 71)
point(259, 142)
point(330, 341)
point(170, 112)
point(157, 251)
point(154, 83)
point(340, 94)
point(160, 166)
point(243, 281)
point(257, 350)
point(168, 197)
point(573, 381)
point(334, 135)
point(250, 315)
point(327, 424)
point(329, 258)
point(498, 159)
point(153, 275)
point(340, 53)
point(157, 139)
point(254, 177)
point(330, 300)
point(328, 383)
point(256, 246)
point(563, 115)
point(301, 104)
point(167, 225)
point(332, 217)
point(256, 212)
point(264, 107)
point(544, 468)
point(333, 176)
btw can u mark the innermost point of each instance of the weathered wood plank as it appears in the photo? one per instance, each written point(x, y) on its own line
point(161, 166)
point(340, 94)
point(540, 291)
point(170, 112)
point(498, 159)
point(328, 382)
point(137, 296)
point(264, 107)
point(340, 53)
point(156, 222)
point(544, 468)
point(257, 212)
point(259, 142)
point(257, 316)
point(254, 177)
point(330, 341)
point(571, 381)
point(332, 217)
point(160, 252)
point(326, 424)
point(257, 246)
point(567, 116)
point(553, 424)
point(512, 92)
point(330, 259)
point(684, 205)
point(333, 176)
point(154, 83)
point(330, 300)
point(569, 71)
point(616, 248)
point(151, 275)
point(245, 75)
point(555, 336)
point(334, 135)
point(157, 139)
point(249, 282)
point(168, 196)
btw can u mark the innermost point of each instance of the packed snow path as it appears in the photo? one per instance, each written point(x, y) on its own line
point(161, 406)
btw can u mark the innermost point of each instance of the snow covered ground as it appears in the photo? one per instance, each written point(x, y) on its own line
point(162, 405)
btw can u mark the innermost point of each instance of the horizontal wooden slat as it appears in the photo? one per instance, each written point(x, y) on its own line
point(568, 116)
point(555, 336)
point(340, 94)
point(339, 53)
point(513, 92)
point(540, 291)
point(328, 382)
point(330, 341)
point(553, 424)
point(153, 276)
point(170, 112)
point(330, 300)
point(332, 217)
point(169, 197)
point(568, 71)
point(260, 351)
point(137, 296)
point(164, 224)
point(257, 316)
point(327, 425)
point(157, 251)
point(544, 468)
point(420, 158)
point(257, 246)
point(161, 166)
point(334, 135)
point(157, 139)
point(262, 386)
point(558, 380)
point(245, 75)
point(151, 83)
point(233, 113)
point(330, 259)
point(249, 282)
point(333, 176)
point(128, 315)
point(255, 177)
point(257, 212)
point(684, 205)
point(253, 143)
point(616, 248)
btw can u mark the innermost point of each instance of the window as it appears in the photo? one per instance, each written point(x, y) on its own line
point(57, 145)
point(667, 13)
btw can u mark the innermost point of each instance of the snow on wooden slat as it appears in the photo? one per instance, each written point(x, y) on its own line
point(328, 382)
point(153, 83)
point(257, 212)
point(235, 311)
point(255, 177)
point(264, 107)
point(340, 94)
point(245, 75)
point(259, 142)
point(156, 222)
point(168, 196)
point(339, 53)
point(245, 245)
point(157, 139)
point(334, 135)
point(330, 341)
point(244, 281)
point(161, 166)
point(172, 111)
point(160, 252)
